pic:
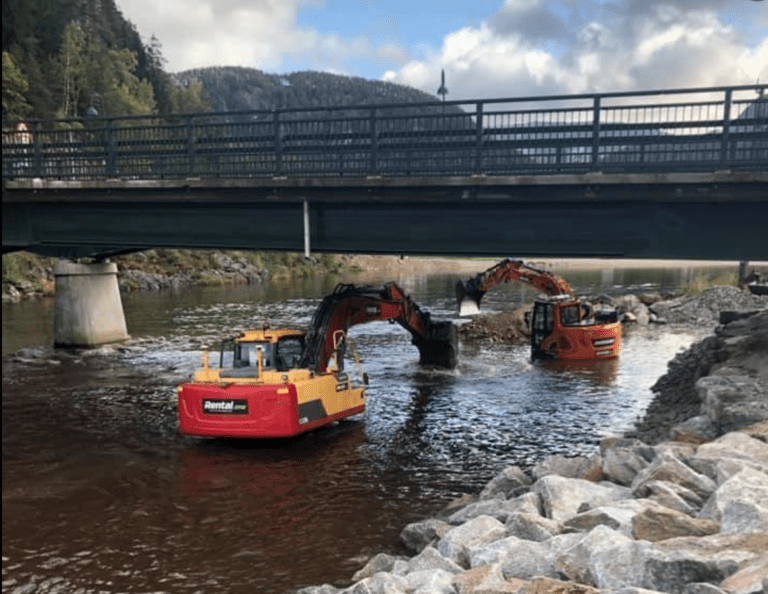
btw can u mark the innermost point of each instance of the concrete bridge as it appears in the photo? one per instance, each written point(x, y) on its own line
point(654, 174)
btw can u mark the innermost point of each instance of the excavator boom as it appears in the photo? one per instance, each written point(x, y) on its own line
point(349, 305)
point(470, 293)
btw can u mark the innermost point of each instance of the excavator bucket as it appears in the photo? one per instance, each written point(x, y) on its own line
point(441, 348)
point(469, 300)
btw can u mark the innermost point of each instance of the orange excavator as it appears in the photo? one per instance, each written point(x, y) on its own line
point(280, 383)
point(561, 325)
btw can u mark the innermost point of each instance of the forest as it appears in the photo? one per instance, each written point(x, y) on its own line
point(71, 58)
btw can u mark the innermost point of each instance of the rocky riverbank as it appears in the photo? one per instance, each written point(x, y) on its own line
point(678, 506)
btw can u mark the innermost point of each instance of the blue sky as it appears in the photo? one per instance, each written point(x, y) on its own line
point(487, 48)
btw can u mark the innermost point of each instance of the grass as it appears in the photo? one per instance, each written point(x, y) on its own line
point(701, 282)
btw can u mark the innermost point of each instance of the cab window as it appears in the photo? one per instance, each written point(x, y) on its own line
point(569, 315)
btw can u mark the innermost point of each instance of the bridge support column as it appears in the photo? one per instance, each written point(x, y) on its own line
point(87, 309)
point(306, 229)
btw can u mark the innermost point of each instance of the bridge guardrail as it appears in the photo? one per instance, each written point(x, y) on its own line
point(705, 129)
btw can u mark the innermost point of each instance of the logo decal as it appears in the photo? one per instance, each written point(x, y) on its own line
point(226, 407)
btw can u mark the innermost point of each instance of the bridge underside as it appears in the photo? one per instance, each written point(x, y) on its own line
point(717, 219)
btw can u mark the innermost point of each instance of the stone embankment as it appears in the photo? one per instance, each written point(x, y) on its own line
point(683, 512)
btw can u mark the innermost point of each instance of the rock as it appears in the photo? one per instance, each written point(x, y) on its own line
point(666, 467)
point(603, 558)
point(324, 589)
point(388, 583)
point(521, 559)
point(624, 458)
point(562, 497)
point(696, 430)
point(702, 588)
point(631, 305)
point(660, 524)
point(418, 535)
point(478, 531)
point(531, 526)
point(672, 496)
point(736, 446)
point(733, 401)
point(378, 563)
point(430, 581)
point(672, 564)
point(740, 504)
point(430, 558)
point(749, 579)
point(617, 516)
point(582, 467)
point(498, 508)
point(510, 482)
point(487, 579)
point(545, 585)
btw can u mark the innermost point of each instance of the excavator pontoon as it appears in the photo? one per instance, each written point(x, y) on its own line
point(280, 383)
point(561, 325)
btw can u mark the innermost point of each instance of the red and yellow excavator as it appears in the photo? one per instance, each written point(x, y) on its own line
point(561, 326)
point(280, 383)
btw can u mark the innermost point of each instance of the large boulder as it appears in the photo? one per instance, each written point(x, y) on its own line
point(430, 558)
point(737, 446)
point(667, 467)
point(522, 559)
point(740, 504)
point(510, 482)
point(672, 564)
point(477, 531)
point(497, 508)
point(624, 458)
point(532, 527)
point(430, 581)
point(733, 401)
point(418, 535)
point(671, 495)
point(582, 467)
point(486, 579)
point(603, 558)
point(662, 523)
point(562, 497)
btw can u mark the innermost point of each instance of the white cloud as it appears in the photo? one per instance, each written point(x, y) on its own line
point(526, 47)
point(649, 46)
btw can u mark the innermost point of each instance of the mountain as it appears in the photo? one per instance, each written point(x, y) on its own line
point(233, 88)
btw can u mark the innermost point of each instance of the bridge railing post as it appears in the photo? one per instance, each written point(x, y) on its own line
point(596, 133)
point(374, 142)
point(278, 143)
point(111, 164)
point(479, 137)
point(725, 143)
point(37, 147)
point(190, 146)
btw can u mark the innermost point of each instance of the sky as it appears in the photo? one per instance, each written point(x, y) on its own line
point(499, 48)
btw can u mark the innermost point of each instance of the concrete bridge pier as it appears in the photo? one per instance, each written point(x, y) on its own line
point(87, 309)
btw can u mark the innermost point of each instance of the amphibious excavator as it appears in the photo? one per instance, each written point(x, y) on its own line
point(280, 383)
point(561, 325)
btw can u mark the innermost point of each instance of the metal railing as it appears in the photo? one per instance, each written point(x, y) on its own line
point(697, 130)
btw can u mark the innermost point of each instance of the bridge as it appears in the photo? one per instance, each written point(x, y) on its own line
point(654, 174)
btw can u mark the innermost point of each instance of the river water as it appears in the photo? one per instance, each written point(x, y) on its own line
point(101, 495)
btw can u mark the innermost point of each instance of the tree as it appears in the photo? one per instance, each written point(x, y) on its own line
point(15, 88)
point(72, 62)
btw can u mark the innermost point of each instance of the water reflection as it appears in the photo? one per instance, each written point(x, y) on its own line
point(599, 372)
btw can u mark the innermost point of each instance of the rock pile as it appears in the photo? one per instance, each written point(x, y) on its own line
point(688, 515)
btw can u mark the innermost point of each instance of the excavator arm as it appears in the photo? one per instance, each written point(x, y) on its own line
point(470, 293)
point(349, 305)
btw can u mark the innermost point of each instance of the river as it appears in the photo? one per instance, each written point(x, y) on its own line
point(101, 494)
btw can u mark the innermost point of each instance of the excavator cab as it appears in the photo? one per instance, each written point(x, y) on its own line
point(542, 325)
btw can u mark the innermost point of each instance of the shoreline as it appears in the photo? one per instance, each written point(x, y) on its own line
point(27, 275)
